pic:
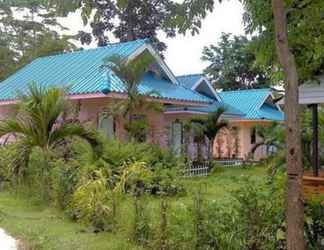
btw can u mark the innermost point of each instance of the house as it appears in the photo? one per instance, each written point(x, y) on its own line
point(93, 88)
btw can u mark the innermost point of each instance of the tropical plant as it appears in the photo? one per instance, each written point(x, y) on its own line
point(131, 73)
point(273, 135)
point(203, 128)
point(38, 123)
point(90, 201)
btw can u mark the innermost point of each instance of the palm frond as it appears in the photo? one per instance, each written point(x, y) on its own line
point(14, 126)
point(20, 161)
point(214, 124)
point(130, 72)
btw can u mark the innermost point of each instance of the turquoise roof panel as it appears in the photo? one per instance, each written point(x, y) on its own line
point(270, 113)
point(189, 80)
point(252, 103)
point(163, 88)
point(230, 111)
point(80, 70)
point(82, 73)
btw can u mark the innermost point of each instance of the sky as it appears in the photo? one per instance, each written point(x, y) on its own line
point(184, 52)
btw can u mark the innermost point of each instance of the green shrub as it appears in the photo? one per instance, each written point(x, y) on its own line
point(314, 226)
point(260, 219)
point(64, 179)
point(163, 164)
point(141, 224)
point(90, 201)
point(6, 155)
point(117, 153)
point(180, 229)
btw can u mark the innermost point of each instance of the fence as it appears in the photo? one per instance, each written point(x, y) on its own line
point(230, 162)
point(197, 169)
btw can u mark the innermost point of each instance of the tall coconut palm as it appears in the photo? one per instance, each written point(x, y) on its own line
point(131, 73)
point(203, 128)
point(38, 123)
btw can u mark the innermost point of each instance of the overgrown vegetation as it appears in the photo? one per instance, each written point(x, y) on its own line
point(136, 189)
point(235, 215)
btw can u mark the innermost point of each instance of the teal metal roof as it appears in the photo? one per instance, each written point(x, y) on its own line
point(253, 104)
point(270, 113)
point(189, 80)
point(229, 110)
point(160, 88)
point(81, 71)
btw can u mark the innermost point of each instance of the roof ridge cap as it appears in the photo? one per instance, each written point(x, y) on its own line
point(79, 51)
point(244, 90)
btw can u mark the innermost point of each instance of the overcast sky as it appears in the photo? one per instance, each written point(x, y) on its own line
point(184, 52)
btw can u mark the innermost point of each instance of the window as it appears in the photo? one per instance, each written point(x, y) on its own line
point(253, 136)
point(106, 125)
point(176, 137)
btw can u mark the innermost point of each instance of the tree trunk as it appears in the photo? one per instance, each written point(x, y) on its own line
point(294, 199)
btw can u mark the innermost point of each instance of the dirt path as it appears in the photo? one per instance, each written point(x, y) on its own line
point(6, 241)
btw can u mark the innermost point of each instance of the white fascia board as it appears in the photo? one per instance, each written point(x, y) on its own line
point(158, 58)
point(204, 79)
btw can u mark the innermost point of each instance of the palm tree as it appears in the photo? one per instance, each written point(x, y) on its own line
point(38, 124)
point(203, 128)
point(131, 73)
point(272, 135)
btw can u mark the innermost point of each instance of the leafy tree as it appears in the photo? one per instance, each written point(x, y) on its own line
point(127, 19)
point(232, 64)
point(306, 39)
point(26, 32)
point(38, 124)
point(203, 128)
point(131, 74)
point(7, 62)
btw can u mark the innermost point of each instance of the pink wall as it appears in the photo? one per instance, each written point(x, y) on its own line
point(238, 142)
point(229, 143)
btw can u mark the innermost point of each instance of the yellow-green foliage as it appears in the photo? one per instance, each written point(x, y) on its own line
point(95, 201)
point(89, 202)
point(132, 174)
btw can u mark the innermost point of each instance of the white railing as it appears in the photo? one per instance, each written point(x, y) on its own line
point(230, 162)
point(197, 169)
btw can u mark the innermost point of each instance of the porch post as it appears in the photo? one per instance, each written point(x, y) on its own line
point(315, 140)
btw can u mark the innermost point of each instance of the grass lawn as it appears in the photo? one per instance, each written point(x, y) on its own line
point(41, 227)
